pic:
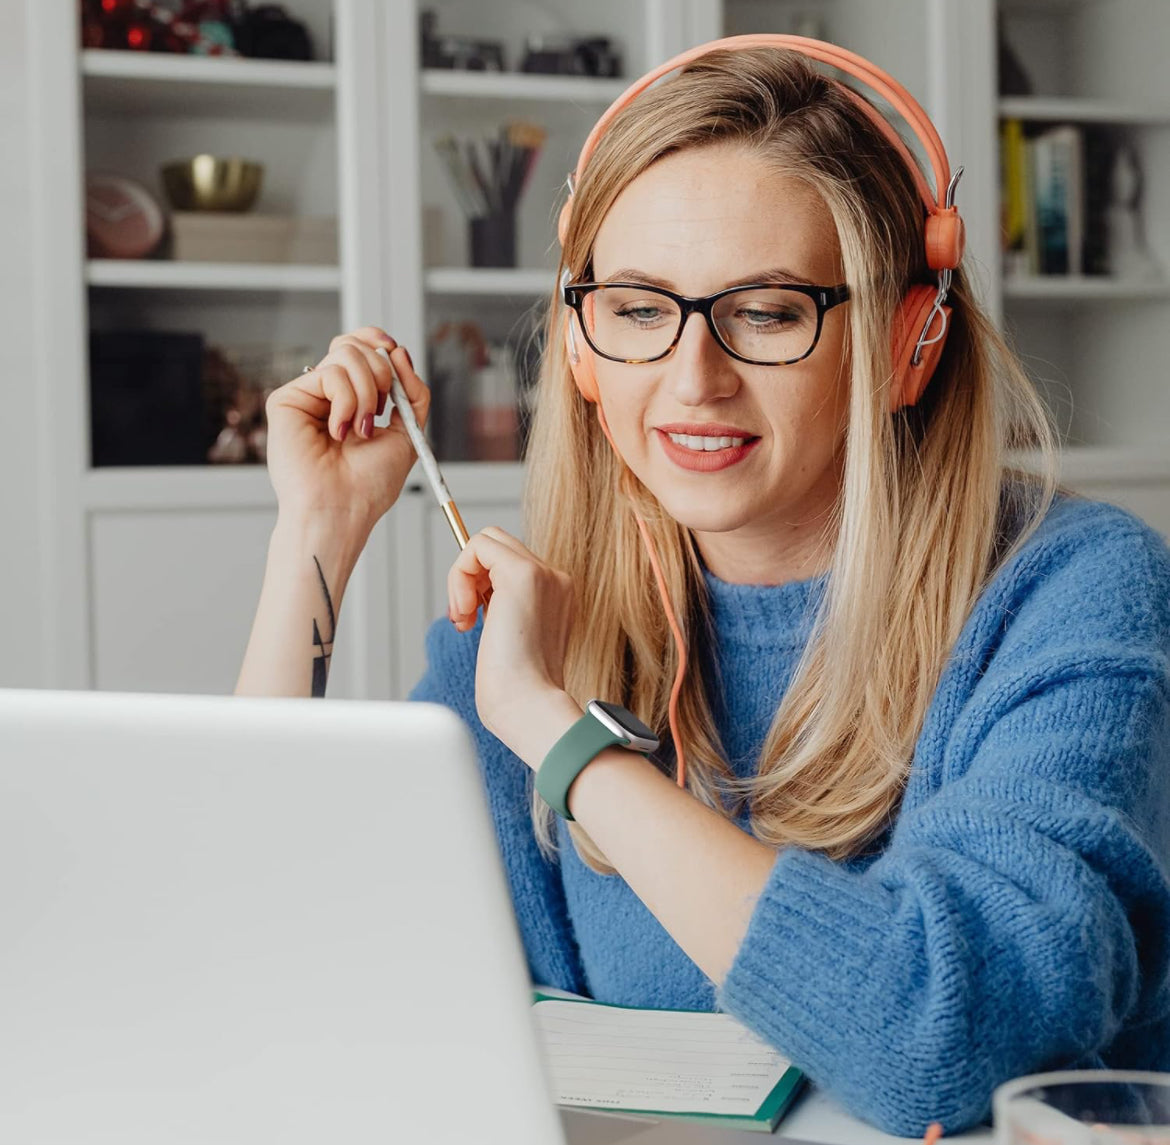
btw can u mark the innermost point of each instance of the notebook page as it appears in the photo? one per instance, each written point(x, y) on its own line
point(610, 1057)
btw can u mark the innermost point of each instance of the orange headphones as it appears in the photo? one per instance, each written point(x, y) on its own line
point(915, 352)
point(915, 355)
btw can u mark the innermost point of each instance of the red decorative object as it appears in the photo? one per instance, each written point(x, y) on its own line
point(144, 26)
point(138, 36)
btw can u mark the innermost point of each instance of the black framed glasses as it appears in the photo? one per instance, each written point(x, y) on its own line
point(763, 324)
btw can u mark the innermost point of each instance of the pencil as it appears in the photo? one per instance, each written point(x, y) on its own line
point(492, 182)
point(429, 464)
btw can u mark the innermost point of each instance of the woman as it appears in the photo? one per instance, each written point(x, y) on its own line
point(920, 842)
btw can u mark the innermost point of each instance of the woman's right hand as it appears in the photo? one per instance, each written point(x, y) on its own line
point(321, 459)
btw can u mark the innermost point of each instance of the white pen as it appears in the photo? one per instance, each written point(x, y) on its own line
point(429, 464)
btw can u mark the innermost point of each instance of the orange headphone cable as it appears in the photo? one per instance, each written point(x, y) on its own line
point(678, 640)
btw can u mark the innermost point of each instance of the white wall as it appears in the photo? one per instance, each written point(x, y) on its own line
point(22, 662)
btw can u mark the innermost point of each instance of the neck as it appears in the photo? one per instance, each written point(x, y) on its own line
point(770, 552)
point(786, 563)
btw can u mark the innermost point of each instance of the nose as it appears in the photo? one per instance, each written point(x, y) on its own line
point(700, 370)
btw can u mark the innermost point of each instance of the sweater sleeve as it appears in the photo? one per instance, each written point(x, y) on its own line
point(538, 895)
point(1019, 919)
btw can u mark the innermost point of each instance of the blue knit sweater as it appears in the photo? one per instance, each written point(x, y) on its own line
point(1016, 915)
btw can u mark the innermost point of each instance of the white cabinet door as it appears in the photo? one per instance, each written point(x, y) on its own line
point(425, 548)
point(174, 594)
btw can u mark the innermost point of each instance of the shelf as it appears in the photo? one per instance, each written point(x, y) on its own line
point(1137, 464)
point(158, 83)
point(1048, 7)
point(177, 487)
point(194, 487)
point(521, 85)
point(1052, 109)
point(164, 487)
point(508, 282)
point(470, 482)
point(1081, 288)
point(231, 276)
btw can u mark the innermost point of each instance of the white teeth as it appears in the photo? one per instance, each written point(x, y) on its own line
point(705, 444)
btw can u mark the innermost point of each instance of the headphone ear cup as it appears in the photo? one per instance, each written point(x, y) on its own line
point(580, 359)
point(913, 312)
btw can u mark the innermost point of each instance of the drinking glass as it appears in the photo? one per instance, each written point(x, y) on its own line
point(1084, 1107)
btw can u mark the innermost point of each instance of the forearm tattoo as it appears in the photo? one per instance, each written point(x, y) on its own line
point(321, 660)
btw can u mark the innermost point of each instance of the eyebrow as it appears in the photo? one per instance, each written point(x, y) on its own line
point(774, 274)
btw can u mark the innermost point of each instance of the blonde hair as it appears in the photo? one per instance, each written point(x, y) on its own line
point(929, 505)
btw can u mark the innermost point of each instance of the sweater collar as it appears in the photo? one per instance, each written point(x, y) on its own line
point(763, 613)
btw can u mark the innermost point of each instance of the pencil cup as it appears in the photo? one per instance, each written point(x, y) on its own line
point(493, 240)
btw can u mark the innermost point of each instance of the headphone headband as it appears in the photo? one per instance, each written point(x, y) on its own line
point(945, 244)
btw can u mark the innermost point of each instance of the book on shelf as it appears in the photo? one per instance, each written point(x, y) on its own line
point(678, 1064)
point(1054, 186)
point(1058, 193)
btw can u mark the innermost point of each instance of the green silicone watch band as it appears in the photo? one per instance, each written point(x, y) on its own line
point(568, 757)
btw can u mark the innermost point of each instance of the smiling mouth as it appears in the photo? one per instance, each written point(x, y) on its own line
point(706, 443)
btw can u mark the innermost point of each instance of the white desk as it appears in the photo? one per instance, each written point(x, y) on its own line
point(814, 1118)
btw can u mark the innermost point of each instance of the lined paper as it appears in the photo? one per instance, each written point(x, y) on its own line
point(668, 1061)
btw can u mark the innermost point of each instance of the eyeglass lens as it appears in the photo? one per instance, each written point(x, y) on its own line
point(767, 325)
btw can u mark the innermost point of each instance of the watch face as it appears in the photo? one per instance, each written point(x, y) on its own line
point(624, 721)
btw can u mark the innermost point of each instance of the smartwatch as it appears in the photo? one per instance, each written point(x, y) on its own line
point(603, 725)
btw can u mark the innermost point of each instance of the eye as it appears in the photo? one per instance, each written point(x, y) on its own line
point(758, 318)
point(641, 314)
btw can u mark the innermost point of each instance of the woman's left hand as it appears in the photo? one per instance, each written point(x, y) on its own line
point(525, 630)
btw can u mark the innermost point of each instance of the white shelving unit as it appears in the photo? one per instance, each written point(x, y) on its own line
point(152, 574)
point(1097, 345)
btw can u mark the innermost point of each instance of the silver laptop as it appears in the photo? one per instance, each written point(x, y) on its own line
point(228, 920)
point(231, 921)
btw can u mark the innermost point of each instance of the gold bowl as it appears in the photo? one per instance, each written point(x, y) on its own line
point(206, 183)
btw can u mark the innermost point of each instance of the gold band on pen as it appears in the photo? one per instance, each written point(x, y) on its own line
point(456, 523)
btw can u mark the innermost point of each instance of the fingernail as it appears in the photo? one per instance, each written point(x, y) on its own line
point(409, 359)
point(368, 425)
point(343, 431)
point(381, 404)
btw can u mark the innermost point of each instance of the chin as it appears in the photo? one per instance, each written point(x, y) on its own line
point(703, 514)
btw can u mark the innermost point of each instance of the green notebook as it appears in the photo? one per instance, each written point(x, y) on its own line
point(662, 1063)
